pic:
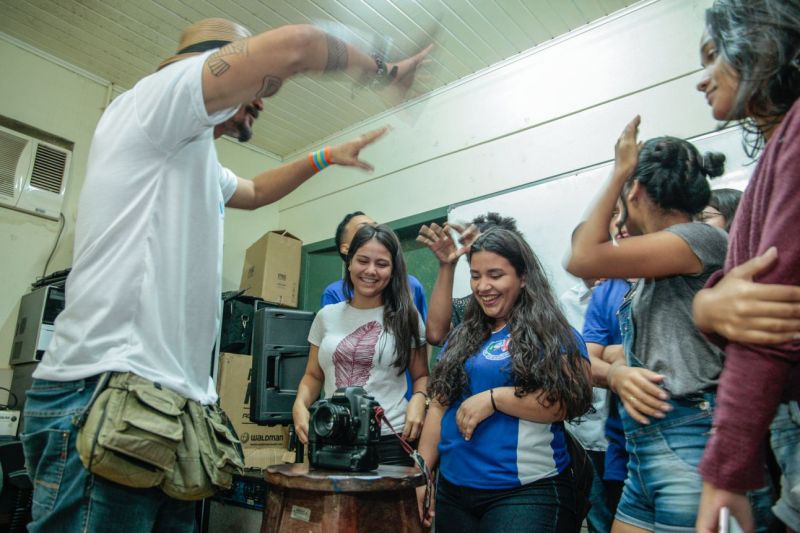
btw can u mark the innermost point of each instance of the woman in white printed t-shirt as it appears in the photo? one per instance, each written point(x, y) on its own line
point(370, 341)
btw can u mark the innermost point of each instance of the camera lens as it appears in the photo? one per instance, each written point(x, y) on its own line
point(331, 420)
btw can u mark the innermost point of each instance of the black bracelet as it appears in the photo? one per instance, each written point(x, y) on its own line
point(491, 395)
point(427, 398)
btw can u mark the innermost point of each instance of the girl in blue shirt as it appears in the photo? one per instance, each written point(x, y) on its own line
point(511, 373)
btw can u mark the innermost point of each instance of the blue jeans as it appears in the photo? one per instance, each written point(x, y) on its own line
point(66, 497)
point(602, 496)
point(785, 441)
point(663, 487)
point(547, 505)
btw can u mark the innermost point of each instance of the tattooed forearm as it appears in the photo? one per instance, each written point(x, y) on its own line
point(219, 66)
point(337, 54)
point(269, 87)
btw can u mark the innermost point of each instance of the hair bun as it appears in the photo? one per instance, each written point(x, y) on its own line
point(665, 153)
point(713, 164)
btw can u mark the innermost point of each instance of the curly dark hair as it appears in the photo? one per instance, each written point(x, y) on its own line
point(544, 350)
point(760, 40)
point(494, 219)
point(400, 317)
point(673, 173)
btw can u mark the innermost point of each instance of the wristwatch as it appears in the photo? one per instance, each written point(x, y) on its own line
point(383, 76)
point(427, 398)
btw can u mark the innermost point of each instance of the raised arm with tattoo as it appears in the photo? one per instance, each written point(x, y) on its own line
point(258, 66)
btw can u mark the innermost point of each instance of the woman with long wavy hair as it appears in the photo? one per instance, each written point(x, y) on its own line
point(370, 340)
point(750, 54)
point(510, 374)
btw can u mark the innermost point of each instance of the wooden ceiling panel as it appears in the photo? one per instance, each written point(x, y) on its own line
point(124, 40)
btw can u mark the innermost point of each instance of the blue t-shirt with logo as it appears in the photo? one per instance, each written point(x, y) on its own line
point(601, 326)
point(504, 451)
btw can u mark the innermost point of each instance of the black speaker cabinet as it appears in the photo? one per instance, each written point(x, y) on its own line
point(280, 354)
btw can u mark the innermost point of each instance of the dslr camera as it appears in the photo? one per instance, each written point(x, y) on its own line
point(343, 433)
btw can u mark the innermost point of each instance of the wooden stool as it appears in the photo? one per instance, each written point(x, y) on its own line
point(299, 499)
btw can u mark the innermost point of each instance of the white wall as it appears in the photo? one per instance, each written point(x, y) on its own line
point(43, 94)
point(548, 111)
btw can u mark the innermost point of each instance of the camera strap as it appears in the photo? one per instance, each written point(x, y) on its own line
point(415, 456)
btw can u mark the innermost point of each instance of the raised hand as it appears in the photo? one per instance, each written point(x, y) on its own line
point(346, 154)
point(441, 243)
point(404, 73)
point(407, 68)
point(626, 151)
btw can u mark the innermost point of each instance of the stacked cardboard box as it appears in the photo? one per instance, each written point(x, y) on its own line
point(272, 268)
point(262, 445)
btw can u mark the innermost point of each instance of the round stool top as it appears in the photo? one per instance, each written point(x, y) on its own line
point(385, 478)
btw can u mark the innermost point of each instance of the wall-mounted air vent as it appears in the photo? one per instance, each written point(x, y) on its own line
point(33, 174)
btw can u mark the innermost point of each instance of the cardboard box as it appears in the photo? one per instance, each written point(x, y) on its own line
point(264, 457)
point(272, 268)
point(234, 398)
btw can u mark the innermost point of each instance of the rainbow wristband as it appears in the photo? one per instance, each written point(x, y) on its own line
point(320, 159)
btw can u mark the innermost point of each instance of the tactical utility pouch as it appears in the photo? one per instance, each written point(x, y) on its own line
point(140, 434)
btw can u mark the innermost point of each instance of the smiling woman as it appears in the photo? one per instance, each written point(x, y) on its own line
point(511, 372)
point(370, 340)
point(759, 42)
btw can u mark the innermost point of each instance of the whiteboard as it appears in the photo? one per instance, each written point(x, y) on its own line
point(548, 210)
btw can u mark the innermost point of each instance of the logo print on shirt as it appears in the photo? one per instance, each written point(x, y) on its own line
point(497, 350)
point(353, 356)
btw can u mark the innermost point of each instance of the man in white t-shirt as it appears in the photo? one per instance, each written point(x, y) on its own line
point(143, 294)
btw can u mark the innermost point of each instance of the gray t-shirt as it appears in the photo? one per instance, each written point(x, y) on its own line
point(667, 341)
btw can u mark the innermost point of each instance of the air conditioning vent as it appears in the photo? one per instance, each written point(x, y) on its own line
point(33, 174)
point(11, 148)
point(48, 169)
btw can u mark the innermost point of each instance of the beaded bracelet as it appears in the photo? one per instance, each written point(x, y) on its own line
point(321, 159)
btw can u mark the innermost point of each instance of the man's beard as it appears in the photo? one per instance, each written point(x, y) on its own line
point(244, 133)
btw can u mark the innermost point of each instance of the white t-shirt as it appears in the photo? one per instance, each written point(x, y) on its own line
point(591, 430)
point(356, 350)
point(144, 292)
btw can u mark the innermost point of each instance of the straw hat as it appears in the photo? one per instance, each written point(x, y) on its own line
point(204, 35)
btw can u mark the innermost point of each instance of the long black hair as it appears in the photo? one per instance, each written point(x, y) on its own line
point(760, 40)
point(673, 173)
point(544, 351)
point(400, 317)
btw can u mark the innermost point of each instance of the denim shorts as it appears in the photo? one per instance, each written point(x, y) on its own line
point(663, 487)
point(66, 497)
point(785, 440)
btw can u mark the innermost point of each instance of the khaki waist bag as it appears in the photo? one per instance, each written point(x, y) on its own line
point(139, 434)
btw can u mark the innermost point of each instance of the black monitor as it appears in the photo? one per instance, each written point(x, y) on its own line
point(280, 354)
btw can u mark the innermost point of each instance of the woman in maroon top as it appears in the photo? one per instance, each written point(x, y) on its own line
point(751, 55)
